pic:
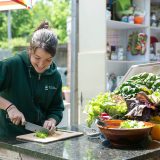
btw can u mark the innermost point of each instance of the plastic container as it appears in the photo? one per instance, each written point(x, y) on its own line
point(138, 19)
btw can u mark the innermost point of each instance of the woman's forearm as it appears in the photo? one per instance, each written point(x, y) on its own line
point(4, 104)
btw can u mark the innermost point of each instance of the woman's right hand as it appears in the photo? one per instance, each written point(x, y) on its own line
point(16, 116)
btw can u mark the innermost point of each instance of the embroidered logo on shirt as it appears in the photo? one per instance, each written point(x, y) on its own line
point(47, 87)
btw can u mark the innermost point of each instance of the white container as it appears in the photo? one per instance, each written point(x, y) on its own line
point(108, 15)
point(121, 55)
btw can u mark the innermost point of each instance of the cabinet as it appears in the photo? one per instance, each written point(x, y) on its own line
point(94, 33)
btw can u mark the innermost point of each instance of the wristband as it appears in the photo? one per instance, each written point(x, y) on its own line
point(9, 106)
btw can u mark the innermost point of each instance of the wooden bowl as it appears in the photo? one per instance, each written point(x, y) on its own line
point(120, 137)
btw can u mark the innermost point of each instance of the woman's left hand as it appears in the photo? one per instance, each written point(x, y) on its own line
point(50, 124)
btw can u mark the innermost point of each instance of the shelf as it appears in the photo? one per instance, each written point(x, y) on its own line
point(155, 1)
point(155, 29)
point(119, 61)
point(123, 25)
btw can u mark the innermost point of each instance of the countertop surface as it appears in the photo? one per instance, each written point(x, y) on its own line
point(81, 148)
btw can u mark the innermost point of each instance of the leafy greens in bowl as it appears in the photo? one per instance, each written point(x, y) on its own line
point(132, 124)
point(123, 133)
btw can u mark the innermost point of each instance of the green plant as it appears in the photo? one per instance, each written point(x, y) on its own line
point(112, 104)
point(24, 22)
point(15, 42)
point(19, 44)
point(4, 44)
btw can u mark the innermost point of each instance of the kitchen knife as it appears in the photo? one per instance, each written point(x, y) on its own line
point(35, 128)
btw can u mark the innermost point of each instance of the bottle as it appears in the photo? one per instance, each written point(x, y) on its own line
point(113, 53)
point(108, 15)
point(108, 51)
point(153, 20)
point(131, 19)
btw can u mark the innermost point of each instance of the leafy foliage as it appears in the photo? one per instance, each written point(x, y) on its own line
point(3, 44)
point(40, 134)
point(107, 102)
point(3, 26)
point(59, 18)
point(24, 22)
point(146, 82)
point(21, 23)
point(132, 124)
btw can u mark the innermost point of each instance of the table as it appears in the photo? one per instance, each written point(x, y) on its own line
point(78, 148)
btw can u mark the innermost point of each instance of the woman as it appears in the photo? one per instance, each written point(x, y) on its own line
point(30, 86)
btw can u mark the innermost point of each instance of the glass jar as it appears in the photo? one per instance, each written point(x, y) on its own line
point(114, 55)
point(121, 55)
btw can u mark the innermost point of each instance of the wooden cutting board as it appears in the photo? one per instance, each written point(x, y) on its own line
point(58, 135)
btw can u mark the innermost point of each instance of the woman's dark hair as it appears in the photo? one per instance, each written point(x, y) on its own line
point(44, 38)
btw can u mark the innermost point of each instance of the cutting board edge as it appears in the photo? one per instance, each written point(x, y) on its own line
point(22, 138)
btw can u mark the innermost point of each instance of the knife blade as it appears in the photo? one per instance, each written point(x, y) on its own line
point(35, 128)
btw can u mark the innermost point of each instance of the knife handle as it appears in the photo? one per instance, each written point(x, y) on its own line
point(10, 122)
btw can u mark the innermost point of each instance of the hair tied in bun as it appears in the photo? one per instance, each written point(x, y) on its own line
point(43, 25)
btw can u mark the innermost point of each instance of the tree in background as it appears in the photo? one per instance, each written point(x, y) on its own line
point(40, 12)
point(3, 26)
point(25, 21)
point(21, 23)
point(59, 18)
point(54, 11)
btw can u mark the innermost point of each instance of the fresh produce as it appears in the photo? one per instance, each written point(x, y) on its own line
point(155, 132)
point(113, 105)
point(142, 94)
point(155, 97)
point(40, 134)
point(136, 99)
point(132, 124)
point(105, 116)
point(146, 82)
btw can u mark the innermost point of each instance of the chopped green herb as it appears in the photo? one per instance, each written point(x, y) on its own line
point(132, 124)
point(41, 134)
